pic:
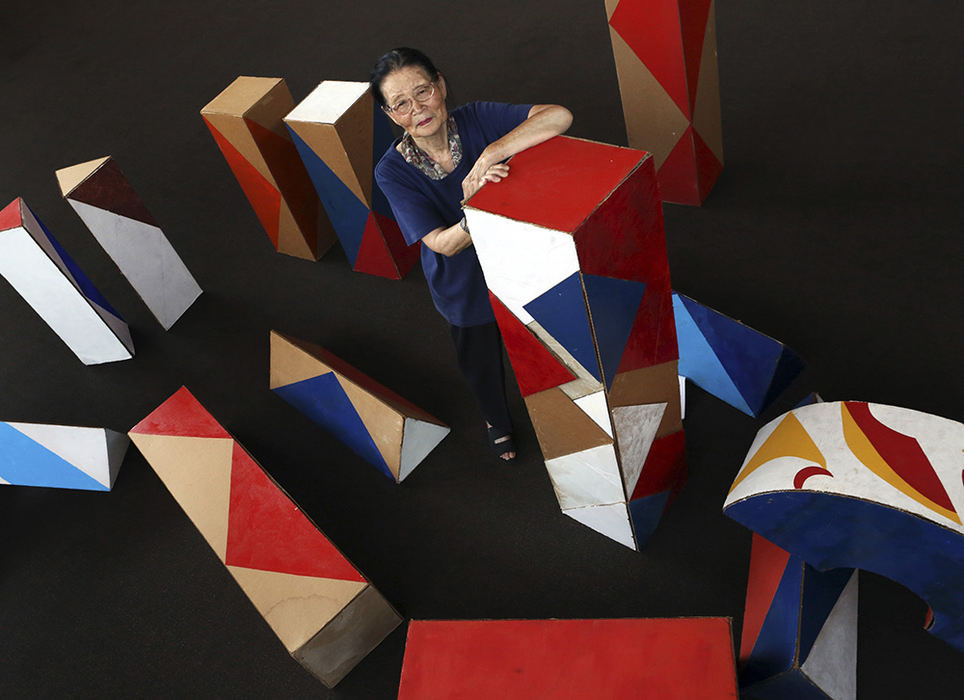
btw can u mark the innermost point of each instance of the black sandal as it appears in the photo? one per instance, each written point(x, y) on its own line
point(501, 448)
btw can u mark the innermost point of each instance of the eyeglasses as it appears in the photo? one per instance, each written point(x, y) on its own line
point(422, 94)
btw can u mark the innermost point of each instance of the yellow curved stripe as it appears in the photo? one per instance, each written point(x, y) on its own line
point(789, 439)
point(865, 451)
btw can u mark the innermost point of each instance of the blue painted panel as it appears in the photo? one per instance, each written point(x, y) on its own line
point(789, 366)
point(790, 685)
point(645, 514)
point(821, 591)
point(829, 531)
point(776, 645)
point(613, 305)
point(347, 213)
point(27, 463)
point(698, 362)
point(562, 312)
point(324, 401)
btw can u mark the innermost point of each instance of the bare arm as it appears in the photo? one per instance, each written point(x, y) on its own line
point(447, 241)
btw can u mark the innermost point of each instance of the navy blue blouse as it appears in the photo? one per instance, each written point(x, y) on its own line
point(422, 205)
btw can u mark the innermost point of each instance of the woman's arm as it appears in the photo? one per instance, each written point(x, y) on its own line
point(447, 241)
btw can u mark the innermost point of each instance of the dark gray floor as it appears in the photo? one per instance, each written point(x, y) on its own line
point(835, 227)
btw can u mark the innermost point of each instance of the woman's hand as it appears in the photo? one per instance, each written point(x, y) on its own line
point(481, 173)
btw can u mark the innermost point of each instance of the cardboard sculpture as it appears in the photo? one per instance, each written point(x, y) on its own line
point(47, 278)
point(735, 363)
point(665, 53)
point(246, 122)
point(341, 134)
point(322, 609)
point(378, 424)
point(642, 659)
point(819, 478)
point(118, 219)
point(799, 629)
point(574, 255)
point(60, 456)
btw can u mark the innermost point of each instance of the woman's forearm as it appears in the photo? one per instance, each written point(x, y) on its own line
point(447, 241)
point(544, 122)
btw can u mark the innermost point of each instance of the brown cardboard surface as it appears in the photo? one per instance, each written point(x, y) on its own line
point(325, 140)
point(269, 111)
point(611, 7)
point(236, 132)
point(383, 422)
point(291, 240)
point(561, 426)
point(707, 119)
point(291, 363)
point(295, 607)
point(238, 97)
point(68, 178)
point(654, 384)
point(653, 121)
point(197, 472)
point(356, 131)
point(349, 637)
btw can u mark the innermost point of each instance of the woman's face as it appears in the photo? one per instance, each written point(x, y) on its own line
point(426, 118)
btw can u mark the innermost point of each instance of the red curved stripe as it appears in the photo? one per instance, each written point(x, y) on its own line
point(806, 473)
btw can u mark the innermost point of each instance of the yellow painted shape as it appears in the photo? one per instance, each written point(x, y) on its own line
point(789, 439)
point(865, 451)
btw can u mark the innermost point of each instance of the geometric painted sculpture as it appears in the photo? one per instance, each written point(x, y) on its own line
point(645, 659)
point(115, 214)
point(865, 486)
point(246, 122)
point(49, 280)
point(320, 607)
point(60, 456)
point(665, 52)
point(731, 361)
point(375, 422)
point(341, 134)
point(574, 255)
point(799, 629)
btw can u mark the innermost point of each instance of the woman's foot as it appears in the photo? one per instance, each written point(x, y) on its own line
point(501, 443)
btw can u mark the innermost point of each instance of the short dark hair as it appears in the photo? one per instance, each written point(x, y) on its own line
point(392, 61)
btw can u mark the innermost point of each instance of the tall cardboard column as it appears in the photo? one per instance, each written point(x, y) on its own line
point(665, 53)
point(341, 135)
point(574, 255)
point(246, 122)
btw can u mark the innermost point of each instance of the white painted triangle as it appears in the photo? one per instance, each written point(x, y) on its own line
point(589, 477)
point(4, 481)
point(84, 448)
point(68, 178)
point(636, 428)
point(832, 662)
point(611, 521)
point(682, 396)
point(146, 258)
point(595, 406)
point(418, 439)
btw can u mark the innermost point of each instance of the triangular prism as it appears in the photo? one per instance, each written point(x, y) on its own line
point(418, 439)
point(26, 462)
point(183, 415)
point(10, 216)
point(107, 188)
point(68, 178)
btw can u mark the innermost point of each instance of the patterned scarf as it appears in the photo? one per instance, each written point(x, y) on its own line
point(421, 160)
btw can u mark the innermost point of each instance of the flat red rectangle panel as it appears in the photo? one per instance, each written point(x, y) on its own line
point(664, 659)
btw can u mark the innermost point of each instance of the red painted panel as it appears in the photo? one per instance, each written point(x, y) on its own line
point(652, 340)
point(267, 531)
point(374, 257)
point(654, 659)
point(558, 183)
point(10, 216)
point(767, 564)
point(108, 189)
point(664, 468)
point(677, 175)
point(263, 196)
point(183, 415)
point(534, 366)
point(708, 167)
point(405, 255)
point(693, 15)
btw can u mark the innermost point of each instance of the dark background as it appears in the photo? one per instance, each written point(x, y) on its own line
point(834, 227)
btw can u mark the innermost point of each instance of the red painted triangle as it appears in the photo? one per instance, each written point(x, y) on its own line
point(767, 566)
point(652, 339)
point(263, 196)
point(405, 255)
point(693, 16)
point(374, 257)
point(534, 366)
point(677, 174)
point(181, 415)
point(267, 531)
point(10, 216)
point(108, 189)
point(708, 167)
point(652, 30)
point(664, 468)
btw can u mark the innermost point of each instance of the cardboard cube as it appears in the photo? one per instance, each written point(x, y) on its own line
point(319, 605)
point(643, 659)
point(47, 278)
point(246, 122)
point(379, 425)
point(665, 52)
point(799, 629)
point(821, 477)
point(341, 134)
point(122, 224)
point(60, 456)
point(574, 255)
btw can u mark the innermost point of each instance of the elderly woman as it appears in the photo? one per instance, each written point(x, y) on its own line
point(442, 160)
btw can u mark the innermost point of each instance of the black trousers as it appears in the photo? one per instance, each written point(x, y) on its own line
point(479, 352)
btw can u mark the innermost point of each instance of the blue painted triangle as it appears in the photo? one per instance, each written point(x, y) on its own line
point(347, 213)
point(789, 366)
point(821, 591)
point(776, 645)
point(645, 514)
point(613, 305)
point(562, 312)
point(749, 357)
point(323, 400)
point(698, 362)
point(28, 463)
point(382, 138)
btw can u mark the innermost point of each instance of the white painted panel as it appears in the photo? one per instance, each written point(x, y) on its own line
point(146, 258)
point(520, 260)
point(84, 448)
point(611, 521)
point(590, 477)
point(595, 406)
point(682, 396)
point(636, 428)
point(327, 102)
point(418, 439)
point(832, 663)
